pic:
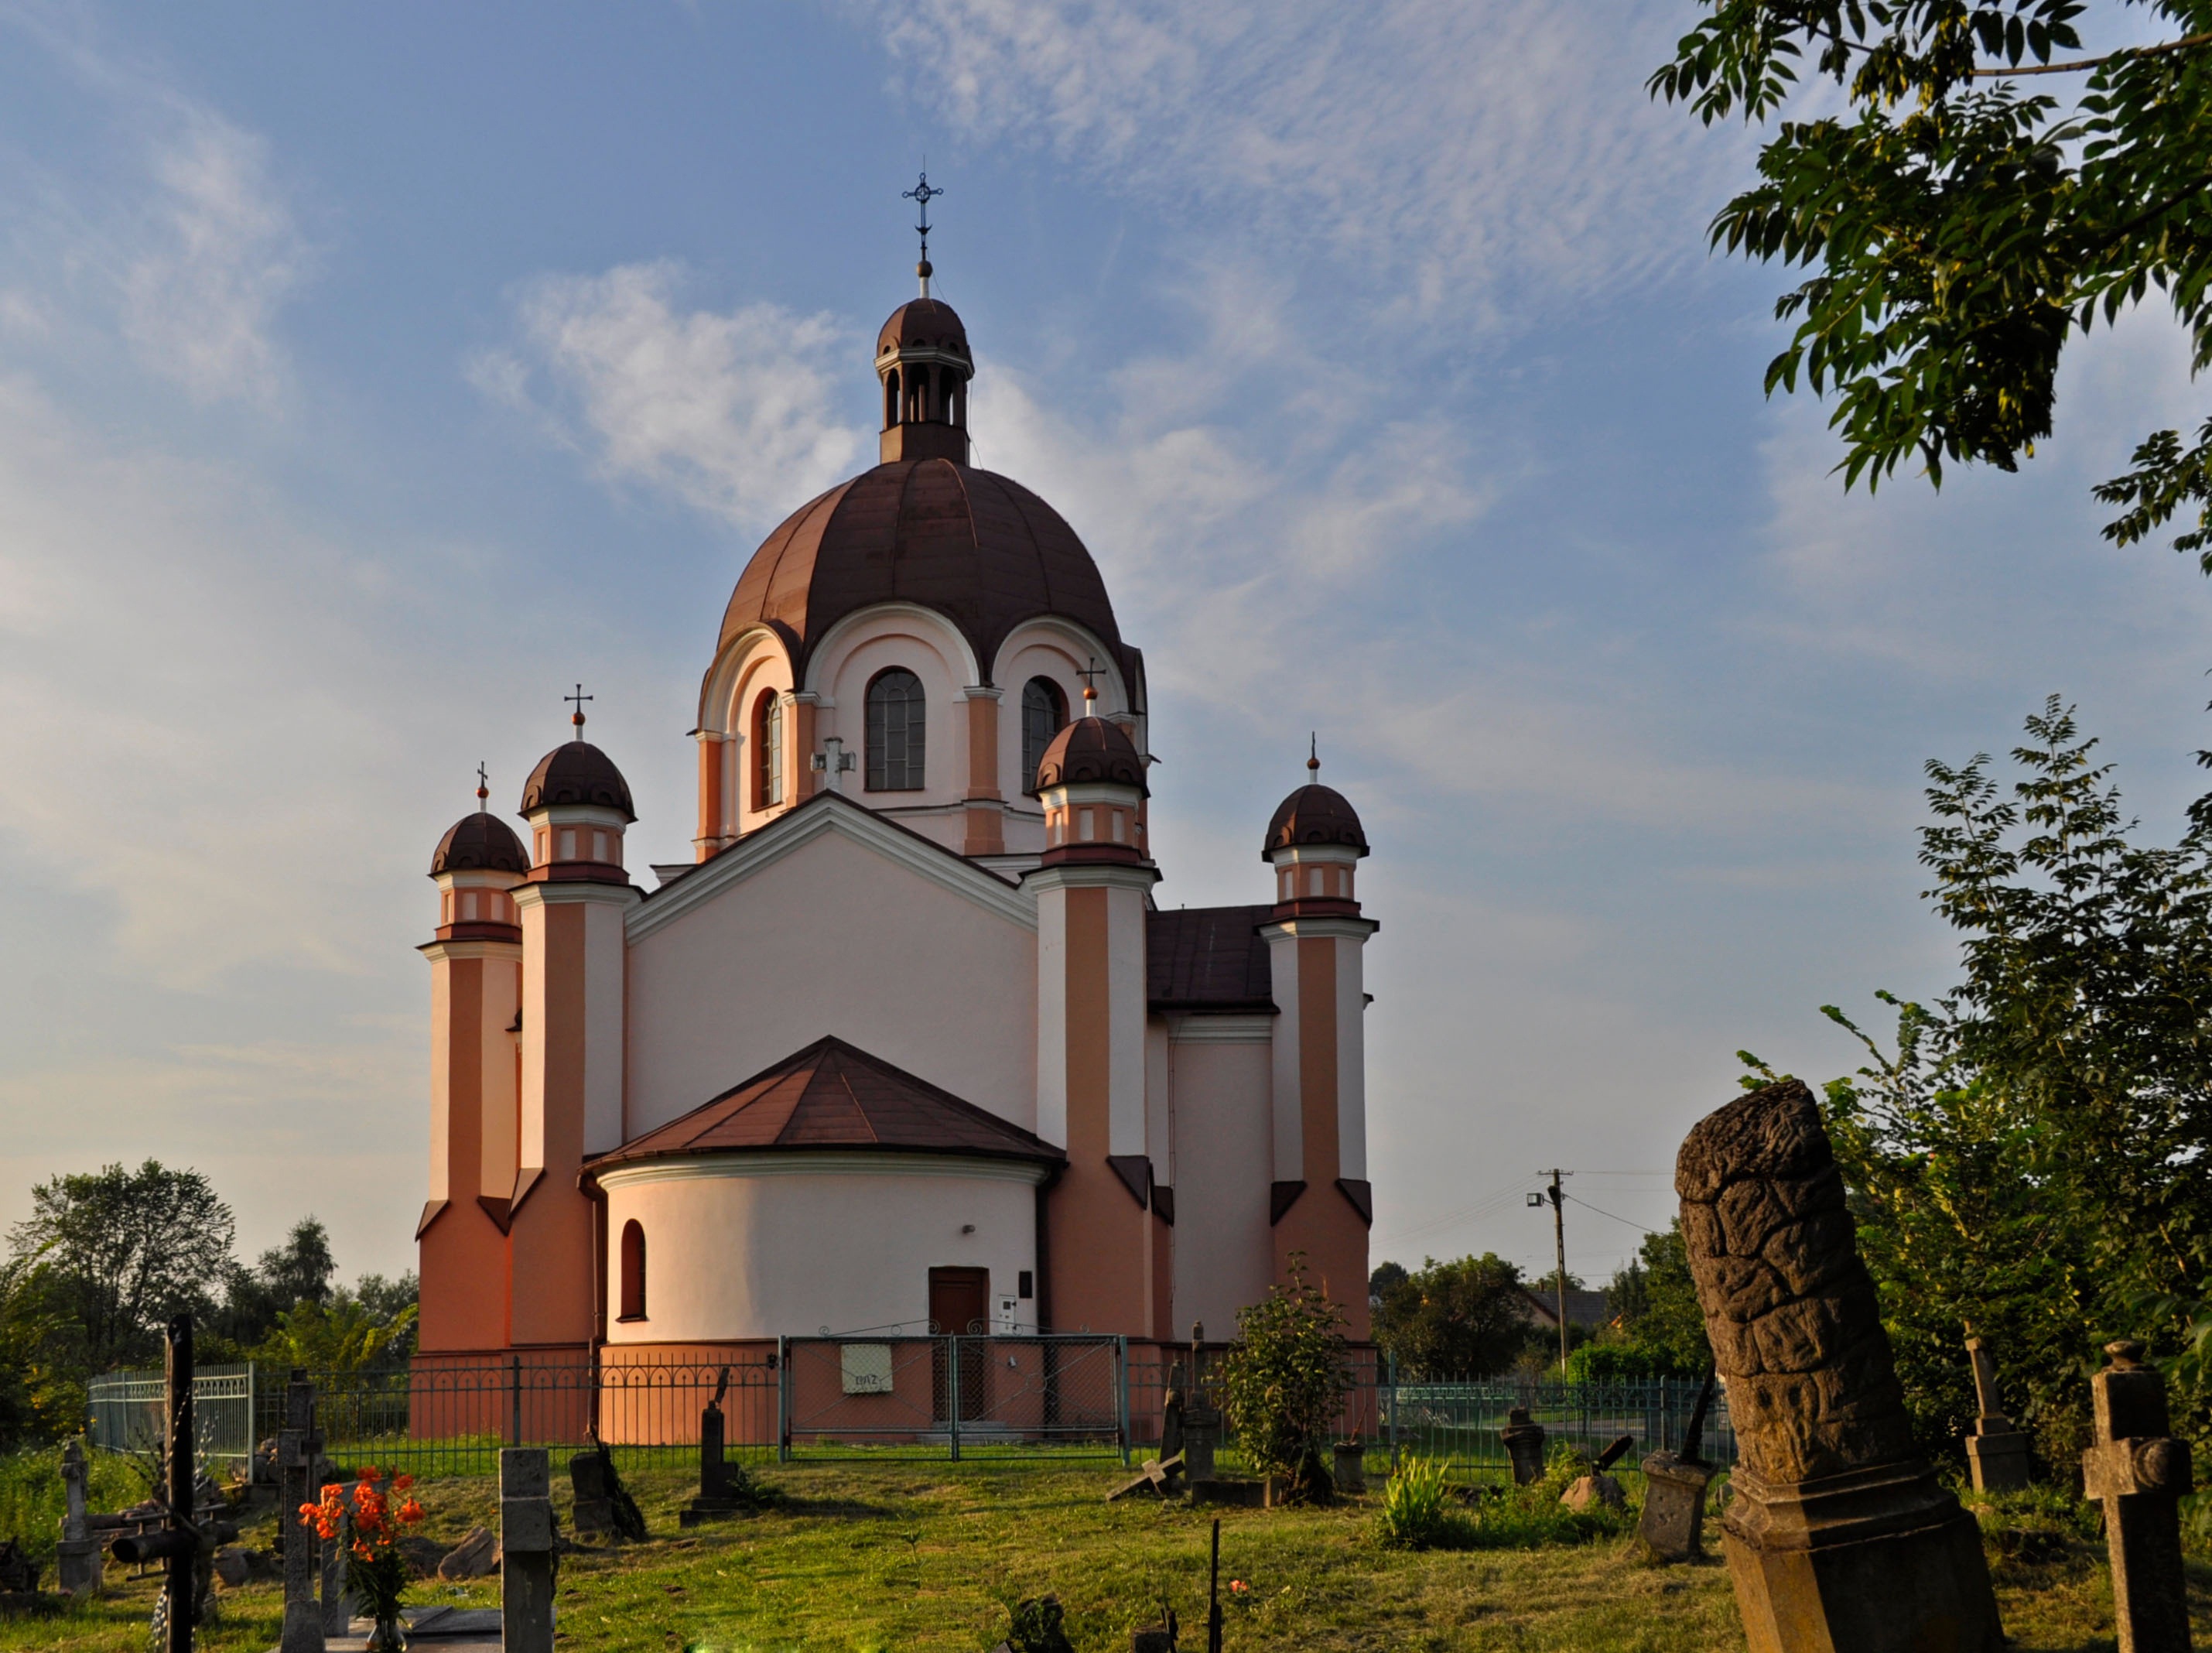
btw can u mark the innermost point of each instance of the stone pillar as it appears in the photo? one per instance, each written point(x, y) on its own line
point(1673, 1524)
point(297, 1449)
point(526, 1543)
point(1524, 1445)
point(1838, 1536)
point(77, 1557)
point(337, 1601)
point(2139, 1473)
point(1996, 1451)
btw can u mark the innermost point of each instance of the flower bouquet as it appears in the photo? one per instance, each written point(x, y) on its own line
point(377, 1573)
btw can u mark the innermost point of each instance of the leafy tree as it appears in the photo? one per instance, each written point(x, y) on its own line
point(1658, 1330)
point(127, 1249)
point(1284, 1381)
point(345, 1336)
point(1985, 192)
point(40, 1399)
point(299, 1271)
point(1453, 1319)
point(2033, 1157)
point(395, 1303)
point(1386, 1275)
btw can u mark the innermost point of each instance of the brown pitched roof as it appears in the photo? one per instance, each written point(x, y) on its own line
point(833, 1094)
point(1209, 958)
point(979, 549)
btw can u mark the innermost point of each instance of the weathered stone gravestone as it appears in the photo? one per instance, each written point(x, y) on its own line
point(1524, 1445)
point(1349, 1471)
point(1838, 1536)
point(78, 1564)
point(526, 1542)
point(1673, 1524)
point(297, 1447)
point(1202, 1419)
point(1171, 1411)
point(1996, 1451)
point(338, 1605)
point(604, 1507)
point(2140, 1472)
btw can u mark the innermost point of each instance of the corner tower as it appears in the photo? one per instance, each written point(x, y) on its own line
point(1322, 1203)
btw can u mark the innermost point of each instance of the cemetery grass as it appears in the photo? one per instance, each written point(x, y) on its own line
point(867, 1556)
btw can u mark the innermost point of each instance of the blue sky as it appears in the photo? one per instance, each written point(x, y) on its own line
point(368, 375)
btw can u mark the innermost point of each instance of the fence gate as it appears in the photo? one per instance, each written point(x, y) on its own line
point(954, 1396)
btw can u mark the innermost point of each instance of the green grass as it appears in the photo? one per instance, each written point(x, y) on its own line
point(878, 1555)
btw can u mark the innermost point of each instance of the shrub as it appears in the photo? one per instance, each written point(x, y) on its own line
point(1283, 1382)
point(1419, 1511)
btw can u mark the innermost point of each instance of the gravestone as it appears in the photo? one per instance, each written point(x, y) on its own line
point(1673, 1525)
point(2139, 1473)
point(477, 1556)
point(338, 1603)
point(604, 1507)
point(1524, 1445)
point(526, 1543)
point(1598, 1489)
point(1201, 1419)
point(1349, 1469)
point(297, 1447)
point(715, 1500)
point(1171, 1411)
point(1996, 1451)
point(1838, 1535)
point(78, 1564)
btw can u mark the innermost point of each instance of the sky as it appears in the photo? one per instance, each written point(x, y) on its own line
point(369, 375)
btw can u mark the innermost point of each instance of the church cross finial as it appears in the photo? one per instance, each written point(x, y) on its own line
point(922, 195)
point(577, 717)
point(1313, 755)
point(483, 786)
point(1089, 688)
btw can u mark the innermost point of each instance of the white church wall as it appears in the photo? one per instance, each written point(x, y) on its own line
point(832, 938)
point(767, 1245)
point(1220, 1071)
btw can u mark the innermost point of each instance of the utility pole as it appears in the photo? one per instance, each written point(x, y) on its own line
point(1555, 1195)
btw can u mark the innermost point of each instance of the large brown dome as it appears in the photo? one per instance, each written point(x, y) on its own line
point(979, 550)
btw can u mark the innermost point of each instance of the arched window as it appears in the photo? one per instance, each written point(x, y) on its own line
point(767, 750)
point(890, 398)
point(633, 1271)
point(1044, 712)
point(896, 719)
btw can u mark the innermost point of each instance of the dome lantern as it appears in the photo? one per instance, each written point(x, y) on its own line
point(923, 362)
point(1091, 783)
point(1314, 843)
point(476, 864)
point(578, 804)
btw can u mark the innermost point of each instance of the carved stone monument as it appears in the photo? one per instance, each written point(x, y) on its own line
point(2140, 1472)
point(1838, 1536)
point(1202, 1419)
point(1673, 1525)
point(714, 1501)
point(604, 1507)
point(78, 1560)
point(1996, 1451)
point(1349, 1469)
point(1524, 1445)
point(297, 1445)
point(526, 1543)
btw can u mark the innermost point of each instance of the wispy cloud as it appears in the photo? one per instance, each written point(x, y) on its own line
point(731, 412)
point(1473, 159)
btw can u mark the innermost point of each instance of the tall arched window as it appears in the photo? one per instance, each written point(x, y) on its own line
point(896, 719)
point(890, 398)
point(633, 1271)
point(767, 750)
point(1044, 712)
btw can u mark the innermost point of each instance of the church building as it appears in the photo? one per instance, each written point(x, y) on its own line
point(907, 1046)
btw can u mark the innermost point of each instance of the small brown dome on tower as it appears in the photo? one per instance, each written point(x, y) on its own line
point(1091, 749)
point(924, 324)
point(1314, 815)
point(481, 842)
point(577, 773)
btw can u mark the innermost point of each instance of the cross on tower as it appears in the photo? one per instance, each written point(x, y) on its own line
point(1089, 688)
point(579, 697)
point(922, 195)
point(1313, 754)
point(483, 782)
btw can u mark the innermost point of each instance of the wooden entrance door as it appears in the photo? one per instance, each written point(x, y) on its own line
point(960, 1306)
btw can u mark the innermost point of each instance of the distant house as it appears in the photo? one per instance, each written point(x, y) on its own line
point(1587, 1310)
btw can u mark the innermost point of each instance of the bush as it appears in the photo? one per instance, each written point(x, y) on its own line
point(1419, 1511)
point(1283, 1382)
point(33, 1497)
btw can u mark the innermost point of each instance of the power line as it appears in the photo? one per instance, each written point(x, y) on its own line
point(1641, 1228)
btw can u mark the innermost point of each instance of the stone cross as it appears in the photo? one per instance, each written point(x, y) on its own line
point(77, 1556)
point(526, 1547)
point(1673, 1524)
point(2140, 1472)
point(1996, 1451)
point(1524, 1445)
point(1838, 1535)
point(297, 1445)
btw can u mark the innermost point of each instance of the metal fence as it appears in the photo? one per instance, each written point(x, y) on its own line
point(128, 1412)
point(1459, 1423)
point(1014, 1399)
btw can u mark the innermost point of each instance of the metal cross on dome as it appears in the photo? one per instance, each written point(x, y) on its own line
point(1094, 670)
point(579, 697)
point(922, 195)
point(484, 781)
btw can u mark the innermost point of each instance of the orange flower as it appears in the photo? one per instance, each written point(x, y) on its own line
point(411, 1512)
point(401, 1483)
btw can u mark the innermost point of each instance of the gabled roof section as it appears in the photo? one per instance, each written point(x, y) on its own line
point(1209, 958)
point(831, 812)
point(833, 1095)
